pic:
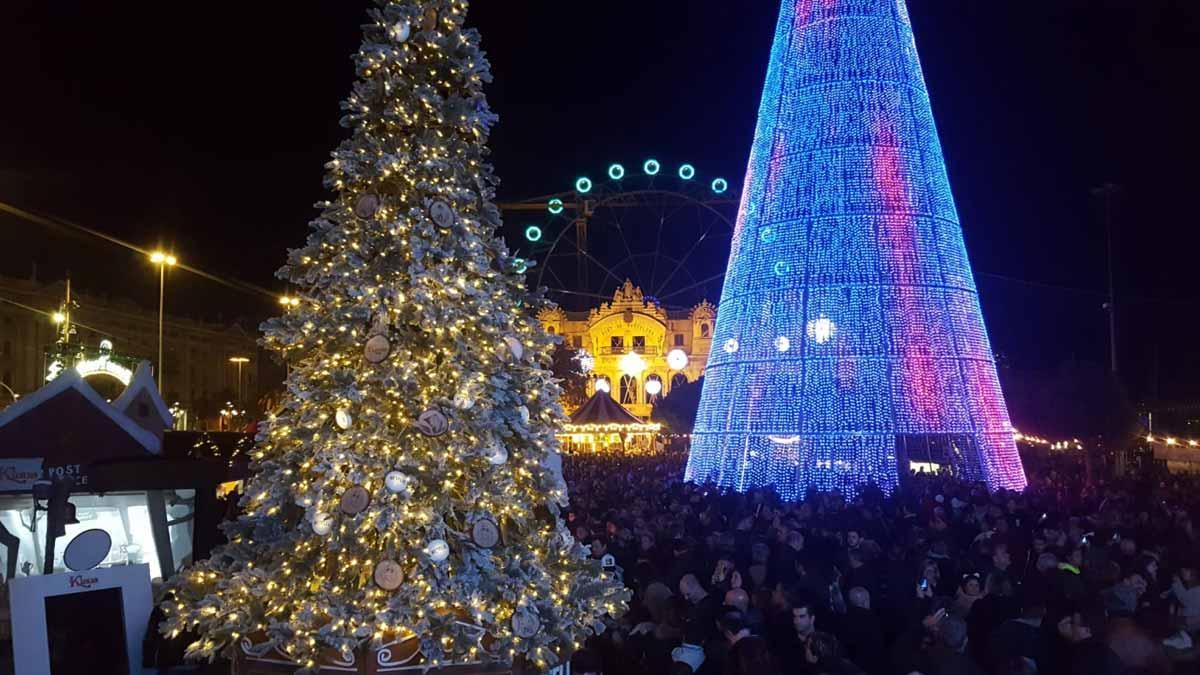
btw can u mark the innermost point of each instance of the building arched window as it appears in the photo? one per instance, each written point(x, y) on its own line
point(704, 329)
point(678, 380)
point(629, 390)
point(653, 388)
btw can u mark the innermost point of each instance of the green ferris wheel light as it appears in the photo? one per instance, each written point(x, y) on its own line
point(616, 172)
point(555, 206)
point(651, 167)
point(687, 172)
point(583, 185)
point(533, 233)
point(720, 185)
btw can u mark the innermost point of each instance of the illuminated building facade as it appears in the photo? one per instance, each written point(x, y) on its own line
point(637, 348)
point(850, 341)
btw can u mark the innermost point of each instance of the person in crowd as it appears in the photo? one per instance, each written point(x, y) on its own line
point(936, 575)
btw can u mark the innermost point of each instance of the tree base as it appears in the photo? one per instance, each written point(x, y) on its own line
point(394, 658)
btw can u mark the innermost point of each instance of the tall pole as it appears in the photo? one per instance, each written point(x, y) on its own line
point(163, 260)
point(1108, 190)
point(162, 286)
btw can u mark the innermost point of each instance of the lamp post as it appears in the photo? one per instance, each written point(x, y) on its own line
point(240, 361)
point(163, 260)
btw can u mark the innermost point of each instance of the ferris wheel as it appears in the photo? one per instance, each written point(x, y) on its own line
point(665, 228)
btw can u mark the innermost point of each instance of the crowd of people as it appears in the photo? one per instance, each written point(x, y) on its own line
point(940, 578)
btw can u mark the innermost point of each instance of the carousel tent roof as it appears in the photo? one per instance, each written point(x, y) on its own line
point(602, 409)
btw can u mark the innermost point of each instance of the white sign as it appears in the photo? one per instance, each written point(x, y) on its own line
point(27, 603)
point(19, 474)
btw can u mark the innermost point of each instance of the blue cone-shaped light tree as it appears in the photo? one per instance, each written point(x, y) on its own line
point(849, 341)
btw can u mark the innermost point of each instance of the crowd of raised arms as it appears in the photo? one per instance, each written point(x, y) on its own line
point(1071, 576)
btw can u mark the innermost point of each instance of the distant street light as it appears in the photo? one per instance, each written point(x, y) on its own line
point(163, 260)
point(240, 361)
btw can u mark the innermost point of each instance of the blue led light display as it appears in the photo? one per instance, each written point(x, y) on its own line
point(720, 185)
point(853, 339)
point(616, 172)
point(583, 185)
point(651, 167)
point(687, 172)
point(555, 206)
point(533, 233)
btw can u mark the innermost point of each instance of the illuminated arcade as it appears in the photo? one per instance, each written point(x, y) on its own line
point(851, 341)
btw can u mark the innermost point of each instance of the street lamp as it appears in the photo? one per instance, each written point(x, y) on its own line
point(163, 260)
point(240, 361)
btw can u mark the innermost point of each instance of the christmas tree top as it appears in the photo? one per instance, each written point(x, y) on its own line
point(407, 490)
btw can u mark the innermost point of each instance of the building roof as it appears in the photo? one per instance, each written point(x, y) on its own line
point(71, 380)
point(602, 409)
point(143, 381)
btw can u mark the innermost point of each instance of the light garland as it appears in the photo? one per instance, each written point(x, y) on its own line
point(848, 247)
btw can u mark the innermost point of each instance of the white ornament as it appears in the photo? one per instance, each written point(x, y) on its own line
point(677, 359)
point(495, 454)
point(782, 343)
point(524, 413)
point(437, 550)
point(397, 483)
point(514, 347)
point(442, 215)
point(432, 423)
point(731, 346)
point(322, 523)
point(400, 31)
point(343, 419)
point(525, 623)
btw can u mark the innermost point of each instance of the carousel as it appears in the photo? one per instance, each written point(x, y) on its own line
point(602, 426)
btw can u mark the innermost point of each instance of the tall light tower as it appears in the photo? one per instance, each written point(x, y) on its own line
point(163, 260)
point(240, 361)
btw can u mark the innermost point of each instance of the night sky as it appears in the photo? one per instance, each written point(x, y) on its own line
point(208, 132)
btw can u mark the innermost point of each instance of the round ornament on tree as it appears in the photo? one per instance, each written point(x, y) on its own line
point(388, 575)
point(514, 347)
point(355, 500)
point(485, 534)
point(366, 206)
point(437, 550)
point(432, 423)
point(343, 419)
point(431, 20)
point(397, 482)
point(525, 623)
point(524, 413)
point(377, 349)
point(322, 523)
point(400, 31)
point(442, 215)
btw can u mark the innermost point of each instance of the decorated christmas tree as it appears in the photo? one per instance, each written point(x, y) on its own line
point(407, 490)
